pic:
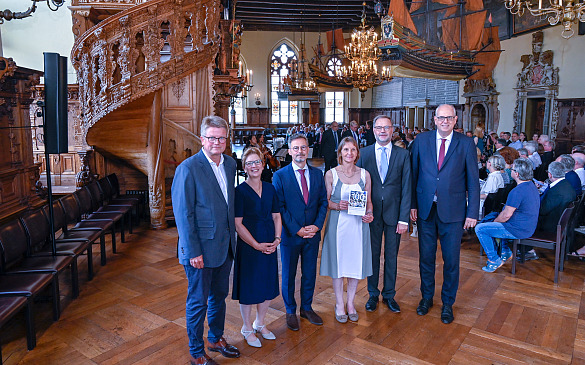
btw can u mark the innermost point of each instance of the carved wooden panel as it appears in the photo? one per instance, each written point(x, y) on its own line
point(570, 124)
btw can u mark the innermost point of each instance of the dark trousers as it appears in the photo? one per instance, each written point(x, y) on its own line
point(391, 246)
point(450, 236)
point(207, 290)
point(289, 255)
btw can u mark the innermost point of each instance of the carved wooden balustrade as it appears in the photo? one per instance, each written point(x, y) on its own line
point(141, 49)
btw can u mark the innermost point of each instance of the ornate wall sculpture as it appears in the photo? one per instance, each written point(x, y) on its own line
point(538, 79)
point(481, 105)
point(19, 174)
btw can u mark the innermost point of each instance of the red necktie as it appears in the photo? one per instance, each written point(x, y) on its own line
point(304, 185)
point(441, 153)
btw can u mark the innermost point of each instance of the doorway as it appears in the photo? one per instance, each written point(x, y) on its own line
point(535, 110)
point(478, 114)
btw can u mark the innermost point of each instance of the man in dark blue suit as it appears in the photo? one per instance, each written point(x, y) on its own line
point(445, 201)
point(203, 204)
point(303, 205)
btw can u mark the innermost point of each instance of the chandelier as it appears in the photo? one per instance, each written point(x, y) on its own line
point(7, 14)
point(568, 11)
point(363, 54)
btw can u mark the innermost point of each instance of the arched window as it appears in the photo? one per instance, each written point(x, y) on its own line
point(334, 100)
point(239, 108)
point(280, 67)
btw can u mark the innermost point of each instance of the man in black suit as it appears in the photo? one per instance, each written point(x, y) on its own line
point(445, 200)
point(389, 168)
point(559, 194)
point(329, 143)
point(352, 132)
point(370, 138)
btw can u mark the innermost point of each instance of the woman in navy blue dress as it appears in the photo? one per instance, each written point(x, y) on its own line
point(259, 225)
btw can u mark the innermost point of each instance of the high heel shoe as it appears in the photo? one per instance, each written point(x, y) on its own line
point(246, 334)
point(258, 329)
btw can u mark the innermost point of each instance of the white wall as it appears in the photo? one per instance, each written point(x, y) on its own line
point(25, 40)
point(569, 57)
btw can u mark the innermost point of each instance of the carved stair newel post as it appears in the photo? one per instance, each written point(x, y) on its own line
point(156, 178)
point(84, 176)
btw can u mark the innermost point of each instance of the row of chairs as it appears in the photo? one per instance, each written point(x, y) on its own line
point(28, 265)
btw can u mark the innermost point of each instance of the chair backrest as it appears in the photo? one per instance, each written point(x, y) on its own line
point(71, 208)
point(114, 183)
point(564, 220)
point(13, 245)
point(36, 226)
point(58, 216)
point(96, 195)
point(83, 198)
point(106, 189)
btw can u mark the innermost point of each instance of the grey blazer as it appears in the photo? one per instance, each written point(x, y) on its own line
point(205, 223)
point(391, 199)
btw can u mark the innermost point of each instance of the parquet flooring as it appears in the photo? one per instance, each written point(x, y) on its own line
point(133, 313)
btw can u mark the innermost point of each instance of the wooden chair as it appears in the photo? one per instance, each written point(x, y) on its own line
point(84, 200)
point(9, 306)
point(549, 240)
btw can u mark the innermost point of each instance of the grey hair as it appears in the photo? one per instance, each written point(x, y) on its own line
point(531, 146)
point(353, 122)
point(544, 137)
point(213, 121)
point(523, 151)
point(297, 136)
point(497, 162)
point(568, 162)
point(549, 143)
point(447, 106)
point(381, 117)
point(556, 169)
point(579, 157)
point(523, 167)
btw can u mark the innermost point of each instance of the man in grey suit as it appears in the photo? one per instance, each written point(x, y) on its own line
point(203, 204)
point(389, 167)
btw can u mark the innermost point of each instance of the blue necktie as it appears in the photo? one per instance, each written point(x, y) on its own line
point(383, 164)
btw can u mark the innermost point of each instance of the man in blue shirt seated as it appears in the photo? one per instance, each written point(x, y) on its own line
point(569, 165)
point(517, 220)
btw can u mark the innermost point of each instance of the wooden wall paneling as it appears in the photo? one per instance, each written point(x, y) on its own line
point(570, 124)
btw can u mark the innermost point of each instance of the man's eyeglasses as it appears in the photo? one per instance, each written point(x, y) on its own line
point(441, 118)
point(380, 128)
point(252, 163)
point(216, 139)
point(297, 148)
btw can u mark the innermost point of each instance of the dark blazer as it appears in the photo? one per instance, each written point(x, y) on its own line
point(553, 204)
point(391, 199)
point(205, 223)
point(457, 179)
point(328, 147)
point(370, 138)
point(574, 180)
point(348, 133)
point(295, 213)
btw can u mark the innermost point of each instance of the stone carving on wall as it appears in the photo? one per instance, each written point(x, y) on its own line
point(481, 94)
point(538, 78)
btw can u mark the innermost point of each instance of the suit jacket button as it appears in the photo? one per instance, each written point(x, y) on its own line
point(437, 179)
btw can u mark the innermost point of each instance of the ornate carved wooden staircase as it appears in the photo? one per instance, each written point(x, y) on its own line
point(145, 76)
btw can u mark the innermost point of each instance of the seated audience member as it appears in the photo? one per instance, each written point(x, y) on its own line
point(516, 142)
point(569, 165)
point(510, 155)
point(579, 158)
point(500, 143)
point(517, 220)
point(523, 152)
point(532, 148)
point(523, 138)
point(506, 136)
point(495, 165)
point(469, 134)
point(535, 137)
point(547, 157)
point(578, 148)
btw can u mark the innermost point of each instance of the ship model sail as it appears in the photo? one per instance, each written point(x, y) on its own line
point(469, 49)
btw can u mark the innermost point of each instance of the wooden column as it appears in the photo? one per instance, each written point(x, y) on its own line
point(314, 112)
point(156, 178)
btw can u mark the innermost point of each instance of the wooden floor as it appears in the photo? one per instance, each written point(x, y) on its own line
point(133, 313)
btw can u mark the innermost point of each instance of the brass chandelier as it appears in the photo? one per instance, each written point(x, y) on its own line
point(568, 12)
point(363, 54)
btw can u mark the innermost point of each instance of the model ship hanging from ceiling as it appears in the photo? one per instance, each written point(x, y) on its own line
point(466, 49)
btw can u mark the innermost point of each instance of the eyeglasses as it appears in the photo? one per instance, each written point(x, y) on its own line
point(441, 118)
point(216, 139)
point(297, 148)
point(252, 163)
point(380, 128)
point(513, 170)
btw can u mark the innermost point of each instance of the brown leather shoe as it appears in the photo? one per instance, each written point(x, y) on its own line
point(292, 322)
point(312, 317)
point(203, 360)
point(224, 348)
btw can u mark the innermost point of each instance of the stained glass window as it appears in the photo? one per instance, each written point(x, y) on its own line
point(281, 67)
point(333, 64)
point(334, 110)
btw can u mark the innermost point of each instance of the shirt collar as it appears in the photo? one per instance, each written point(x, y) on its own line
point(211, 161)
point(448, 138)
point(296, 167)
point(555, 182)
point(379, 146)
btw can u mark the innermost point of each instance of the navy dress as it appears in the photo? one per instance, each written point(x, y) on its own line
point(255, 273)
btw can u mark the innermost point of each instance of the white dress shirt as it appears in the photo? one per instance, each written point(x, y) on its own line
point(219, 172)
point(552, 184)
point(447, 143)
point(581, 172)
point(296, 169)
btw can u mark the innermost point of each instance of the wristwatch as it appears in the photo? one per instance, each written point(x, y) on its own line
point(278, 238)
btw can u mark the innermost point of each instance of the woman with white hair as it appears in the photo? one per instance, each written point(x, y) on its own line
point(495, 180)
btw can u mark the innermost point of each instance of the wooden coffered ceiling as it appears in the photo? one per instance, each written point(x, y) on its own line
point(309, 15)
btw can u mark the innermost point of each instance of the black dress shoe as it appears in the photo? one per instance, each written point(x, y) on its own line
point(424, 306)
point(392, 305)
point(447, 314)
point(224, 348)
point(372, 303)
point(312, 317)
point(292, 322)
